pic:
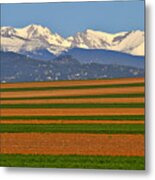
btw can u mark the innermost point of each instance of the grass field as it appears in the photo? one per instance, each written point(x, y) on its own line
point(73, 161)
point(76, 128)
point(74, 124)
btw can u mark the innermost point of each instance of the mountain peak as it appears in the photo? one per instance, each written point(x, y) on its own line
point(89, 31)
point(33, 27)
point(97, 32)
point(34, 36)
point(35, 30)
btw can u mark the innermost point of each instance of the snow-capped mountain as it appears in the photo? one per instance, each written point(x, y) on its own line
point(35, 38)
point(127, 42)
point(31, 38)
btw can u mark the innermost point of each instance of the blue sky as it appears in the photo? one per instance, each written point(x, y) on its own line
point(69, 18)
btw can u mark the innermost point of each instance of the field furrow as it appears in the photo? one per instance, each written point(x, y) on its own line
point(76, 101)
point(71, 111)
point(85, 144)
point(83, 123)
point(71, 92)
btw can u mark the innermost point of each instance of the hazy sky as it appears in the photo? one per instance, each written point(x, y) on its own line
point(69, 18)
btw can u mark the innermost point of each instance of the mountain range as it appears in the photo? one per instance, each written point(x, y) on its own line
point(20, 68)
point(34, 53)
point(36, 39)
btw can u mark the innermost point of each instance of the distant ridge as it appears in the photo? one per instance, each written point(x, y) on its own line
point(20, 68)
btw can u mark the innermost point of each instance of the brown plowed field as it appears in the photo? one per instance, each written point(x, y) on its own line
point(71, 122)
point(72, 112)
point(61, 143)
point(73, 83)
point(71, 92)
point(76, 101)
point(72, 143)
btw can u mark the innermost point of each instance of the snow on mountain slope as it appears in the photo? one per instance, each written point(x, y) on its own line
point(36, 37)
point(92, 39)
point(130, 42)
point(127, 42)
point(31, 38)
point(139, 50)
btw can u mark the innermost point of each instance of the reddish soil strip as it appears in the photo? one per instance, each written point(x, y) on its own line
point(71, 112)
point(71, 92)
point(72, 83)
point(61, 143)
point(75, 101)
point(71, 122)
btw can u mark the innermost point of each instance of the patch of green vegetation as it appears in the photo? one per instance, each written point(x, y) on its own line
point(108, 117)
point(78, 97)
point(73, 161)
point(72, 87)
point(75, 128)
point(83, 105)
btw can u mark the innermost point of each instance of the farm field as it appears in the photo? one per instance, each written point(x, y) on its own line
point(73, 123)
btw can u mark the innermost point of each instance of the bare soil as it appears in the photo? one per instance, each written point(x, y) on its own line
point(76, 101)
point(75, 92)
point(61, 143)
point(71, 111)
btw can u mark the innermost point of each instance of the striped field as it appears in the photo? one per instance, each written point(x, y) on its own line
point(73, 124)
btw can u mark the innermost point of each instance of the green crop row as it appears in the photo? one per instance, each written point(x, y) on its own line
point(73, 161)
point(74, 128)
point(83, 105)
point(108, 117)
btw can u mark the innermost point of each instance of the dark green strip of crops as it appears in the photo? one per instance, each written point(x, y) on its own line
point(83, 105)
point(78, 97)
point(110, 117)
point(73, 161)
point(74, 128)
point(72, 87)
